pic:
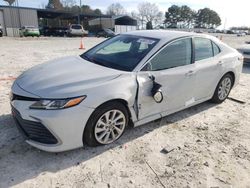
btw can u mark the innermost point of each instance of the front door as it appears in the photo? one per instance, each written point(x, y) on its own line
point(171, 67)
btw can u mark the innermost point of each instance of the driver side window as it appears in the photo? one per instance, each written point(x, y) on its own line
point(178, 53)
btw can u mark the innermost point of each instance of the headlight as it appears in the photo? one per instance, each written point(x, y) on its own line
point(57, 103)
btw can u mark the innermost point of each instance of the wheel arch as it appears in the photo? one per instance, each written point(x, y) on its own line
point(120, 100)
point(233, 76)
point(228, 72)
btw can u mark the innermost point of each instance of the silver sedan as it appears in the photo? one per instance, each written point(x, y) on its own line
point(133, 78)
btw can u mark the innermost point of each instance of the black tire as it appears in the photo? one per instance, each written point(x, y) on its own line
point(89, 135)
point(216, 98)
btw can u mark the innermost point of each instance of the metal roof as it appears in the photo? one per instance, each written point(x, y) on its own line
point(50, 13)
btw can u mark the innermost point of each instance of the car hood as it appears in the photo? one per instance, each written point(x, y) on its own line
point(64, 78)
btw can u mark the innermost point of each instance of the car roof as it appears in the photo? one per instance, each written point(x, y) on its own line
point(163, 34)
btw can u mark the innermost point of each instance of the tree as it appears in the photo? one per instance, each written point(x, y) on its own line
point(173, 16)
point(116, 9)
point(71, 6)
point(183, 16)
point(149, 13)
point(54, 4)
point(207, 18)
point(68, 3)
point(149, 25)
point(10, 1)
point(187, 16)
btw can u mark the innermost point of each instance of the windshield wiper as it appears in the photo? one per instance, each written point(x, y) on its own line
point(86, 57)
point(93, 60)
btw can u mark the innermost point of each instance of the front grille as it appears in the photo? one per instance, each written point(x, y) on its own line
point(22, 98)
point(32, 130)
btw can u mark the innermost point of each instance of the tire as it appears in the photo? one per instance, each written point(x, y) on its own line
point(96, 126)
point(218, 97)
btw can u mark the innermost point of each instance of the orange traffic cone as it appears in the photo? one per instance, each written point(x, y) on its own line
point(81, 45)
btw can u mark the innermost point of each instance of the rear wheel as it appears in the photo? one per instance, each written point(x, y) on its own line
point(223, 89)
point(106, 124)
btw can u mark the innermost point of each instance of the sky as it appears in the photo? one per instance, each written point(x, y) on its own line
point(232, 12)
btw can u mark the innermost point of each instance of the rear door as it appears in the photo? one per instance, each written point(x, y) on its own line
point(208, 67)
point(171, 67)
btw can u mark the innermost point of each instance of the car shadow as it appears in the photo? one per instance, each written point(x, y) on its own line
point(246, 68)
point(24, 162)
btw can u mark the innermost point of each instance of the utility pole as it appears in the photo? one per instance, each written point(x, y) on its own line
point(79, 15)
point(225, 25)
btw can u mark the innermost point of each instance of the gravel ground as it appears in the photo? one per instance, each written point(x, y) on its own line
point(203, 146)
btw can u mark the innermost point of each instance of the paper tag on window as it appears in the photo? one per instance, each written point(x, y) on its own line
point(146, 41)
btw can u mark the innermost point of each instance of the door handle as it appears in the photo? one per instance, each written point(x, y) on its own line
point(190, 73)
point(220, 63)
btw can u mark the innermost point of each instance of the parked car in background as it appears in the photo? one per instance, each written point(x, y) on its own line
point(245, 51)
point(230, 32)
point(26, 31)
point(242, 34)
point(134, 78)
point(76, 30)
point(105, 33)
point(54, 31)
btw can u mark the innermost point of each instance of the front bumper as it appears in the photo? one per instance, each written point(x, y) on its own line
point(51, 130)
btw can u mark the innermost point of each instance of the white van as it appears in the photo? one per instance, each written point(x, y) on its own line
point(77, 30)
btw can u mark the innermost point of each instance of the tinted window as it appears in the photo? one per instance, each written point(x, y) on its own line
point(216, 49)
point(203, 48)
point(122, 52)
point(173, 55)
point(76, 27)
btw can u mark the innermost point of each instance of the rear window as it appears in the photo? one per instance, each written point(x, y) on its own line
point(203, 48)
point(76, 27)
point(216, 49)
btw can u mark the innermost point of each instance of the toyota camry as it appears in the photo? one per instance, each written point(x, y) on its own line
point(132, 78)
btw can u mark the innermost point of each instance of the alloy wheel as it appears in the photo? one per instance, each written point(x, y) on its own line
point(224, 88)
point(110, 126)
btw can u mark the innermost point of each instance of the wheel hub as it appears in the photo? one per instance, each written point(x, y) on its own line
point(110, 126)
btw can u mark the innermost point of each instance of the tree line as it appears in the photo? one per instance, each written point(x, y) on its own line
point(148, 14)
point(71, 6)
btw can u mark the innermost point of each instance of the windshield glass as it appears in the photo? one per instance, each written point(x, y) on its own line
point(76, 27)
point(122, 52)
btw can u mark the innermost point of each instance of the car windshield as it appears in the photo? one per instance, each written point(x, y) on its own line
point(122, 52)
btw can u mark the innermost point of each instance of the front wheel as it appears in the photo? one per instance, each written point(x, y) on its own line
point(106, 124)
point(223, 89)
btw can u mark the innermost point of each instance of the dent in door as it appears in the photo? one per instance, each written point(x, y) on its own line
point(147, 106)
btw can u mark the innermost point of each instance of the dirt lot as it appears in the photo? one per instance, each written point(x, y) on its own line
point(209, 144)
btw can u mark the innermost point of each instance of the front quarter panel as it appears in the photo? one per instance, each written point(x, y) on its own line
point(123, 87)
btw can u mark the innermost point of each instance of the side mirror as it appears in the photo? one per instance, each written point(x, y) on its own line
point(158, 97)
